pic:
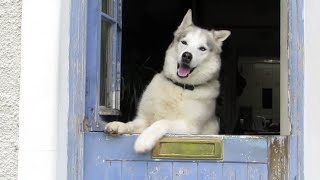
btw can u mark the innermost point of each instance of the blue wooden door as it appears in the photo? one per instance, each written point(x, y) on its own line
point(108, 157)
point(244, 157)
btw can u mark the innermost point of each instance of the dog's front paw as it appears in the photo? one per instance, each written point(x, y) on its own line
point(116, 128)
point(144, 144)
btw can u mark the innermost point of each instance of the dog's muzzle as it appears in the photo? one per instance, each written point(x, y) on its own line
point(183, 68)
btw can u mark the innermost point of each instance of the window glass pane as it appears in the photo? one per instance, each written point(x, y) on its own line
point(119, 12)
point(267, 98)
point(106, 66)
point(107, 7)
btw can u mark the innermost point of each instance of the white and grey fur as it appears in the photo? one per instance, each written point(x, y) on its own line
point(166, 107)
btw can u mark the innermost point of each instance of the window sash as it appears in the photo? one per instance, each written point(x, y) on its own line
point(109, 91)
point(95, 112)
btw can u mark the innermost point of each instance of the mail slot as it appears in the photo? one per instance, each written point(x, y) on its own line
point(189, 148)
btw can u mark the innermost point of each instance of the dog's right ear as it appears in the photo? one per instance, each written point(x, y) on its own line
point(186, 22)
point(220, 35)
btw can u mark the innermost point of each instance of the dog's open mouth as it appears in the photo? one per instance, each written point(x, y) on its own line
point(183, 70)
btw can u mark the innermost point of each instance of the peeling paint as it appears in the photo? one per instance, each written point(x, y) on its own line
point(76, 88)
point(278, 158)
point(182, 171)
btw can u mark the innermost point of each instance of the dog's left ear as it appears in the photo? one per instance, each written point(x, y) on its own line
point(220, 36)
point(186, 22)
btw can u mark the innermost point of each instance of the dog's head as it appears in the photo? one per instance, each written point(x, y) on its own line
point(194, 55)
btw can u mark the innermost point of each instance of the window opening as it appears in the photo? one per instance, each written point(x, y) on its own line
point(250, 75)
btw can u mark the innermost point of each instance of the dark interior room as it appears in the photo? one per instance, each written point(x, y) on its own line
point(250, 57)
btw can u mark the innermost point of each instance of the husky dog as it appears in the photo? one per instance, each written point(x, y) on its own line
point(182, 98)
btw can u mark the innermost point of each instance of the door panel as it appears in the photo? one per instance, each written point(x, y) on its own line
point(209, 171)
point(135, 170)
point(184, 170)
point(107, 157)
point(234, 171)
point(160, 170)
point(112, 169)
point(257, 171)
point(242, 149)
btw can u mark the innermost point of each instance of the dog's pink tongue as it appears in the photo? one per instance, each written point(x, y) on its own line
point(183, 71)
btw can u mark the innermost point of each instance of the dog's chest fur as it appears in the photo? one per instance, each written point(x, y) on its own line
point(165, 100)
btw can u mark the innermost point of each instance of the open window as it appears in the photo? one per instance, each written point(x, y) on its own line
point(250, 75)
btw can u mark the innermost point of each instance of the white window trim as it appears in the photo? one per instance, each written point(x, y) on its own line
point(285, 126)
point(311, 89)
point(43, 113)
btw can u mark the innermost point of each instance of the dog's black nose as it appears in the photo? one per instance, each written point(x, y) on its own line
point(186, 57)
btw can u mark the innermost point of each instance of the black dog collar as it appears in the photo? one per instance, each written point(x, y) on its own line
point(183, 86)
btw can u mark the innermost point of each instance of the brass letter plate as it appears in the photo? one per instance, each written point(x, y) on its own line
point(189, 148)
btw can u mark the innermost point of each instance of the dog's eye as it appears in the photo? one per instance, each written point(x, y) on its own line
point(184, 42)
point(202, 49)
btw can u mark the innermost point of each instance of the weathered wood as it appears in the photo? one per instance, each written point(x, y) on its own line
point(234, 171)
point(210, 171)
point(245, 149)
point(160, 170)
point(92, 72)
point(278, 158)
point(111, 171)
point(184, 171)
point(134, 170)
point(257, 171)
point(236, 148)
point(77, 57)
point(296, 87)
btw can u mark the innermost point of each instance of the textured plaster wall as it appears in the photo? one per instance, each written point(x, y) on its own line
point(10, 24)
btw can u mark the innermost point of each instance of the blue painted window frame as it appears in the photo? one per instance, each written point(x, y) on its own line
point(94, 112)
point(295, 86)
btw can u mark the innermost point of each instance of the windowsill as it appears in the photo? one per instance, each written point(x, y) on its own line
point(104, 111)
point(242, 148)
